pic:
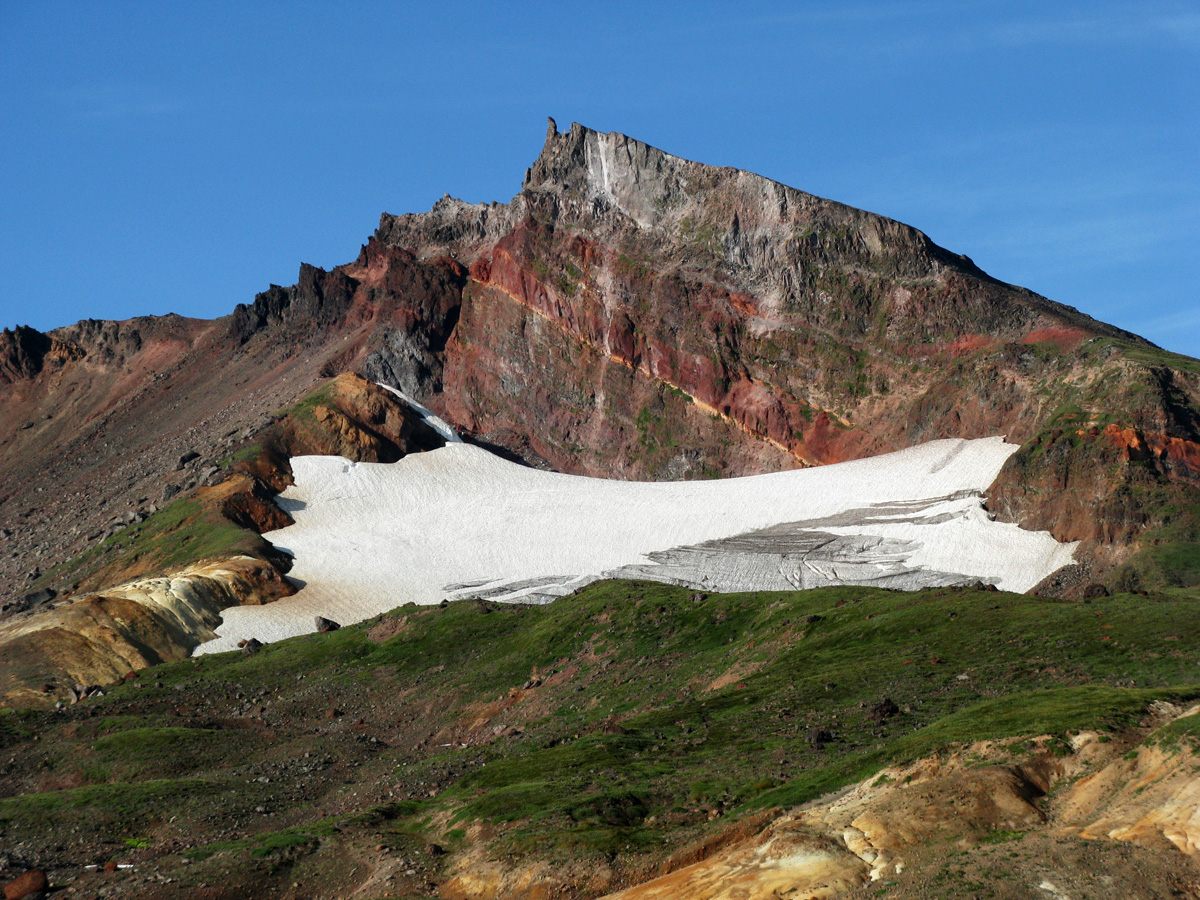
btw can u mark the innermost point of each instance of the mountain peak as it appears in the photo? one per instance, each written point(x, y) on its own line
point(629, 175)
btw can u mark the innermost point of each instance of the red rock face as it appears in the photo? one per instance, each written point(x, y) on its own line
point(1179, 455)
point(1064, 338)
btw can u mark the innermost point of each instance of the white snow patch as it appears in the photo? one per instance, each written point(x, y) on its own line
point(437, 423)
point(461, 522)
point(603, 144)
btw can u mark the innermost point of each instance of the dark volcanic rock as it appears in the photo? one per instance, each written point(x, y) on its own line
point(22, 352)
point(819, 737)
point(311, 306)
point(45, 595)
point(884, 709)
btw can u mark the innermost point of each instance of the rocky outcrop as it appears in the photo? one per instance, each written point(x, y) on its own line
point(99, 638)
point(901, 819)
point(1019, 814)
point(22, 352)
point(310, 307)
point(1150, 796)
point(355, 419)
point(25, 352)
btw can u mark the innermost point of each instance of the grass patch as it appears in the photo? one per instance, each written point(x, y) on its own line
point(303, 411)
point(136, 754)
point(176, 536)
point(117, 802)
point(246, 454)
point(1035, 666)
point(265, 844)
point(17, 725)
point(1184, 731)
point(630, 711)
point(140, 744)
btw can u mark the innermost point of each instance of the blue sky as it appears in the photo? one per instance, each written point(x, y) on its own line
point(163, 158)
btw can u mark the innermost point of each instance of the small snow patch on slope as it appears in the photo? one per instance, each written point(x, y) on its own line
point(460, 522)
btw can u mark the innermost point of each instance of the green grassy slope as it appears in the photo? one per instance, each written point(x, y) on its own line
point(616, 723)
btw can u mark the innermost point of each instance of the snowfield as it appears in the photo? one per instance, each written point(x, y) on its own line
point(461, 522)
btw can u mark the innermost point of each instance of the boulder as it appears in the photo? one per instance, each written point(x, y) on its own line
point(32, 882)
point(37, 598)
point(884, 709)
point(819, 737)
point(325, 625)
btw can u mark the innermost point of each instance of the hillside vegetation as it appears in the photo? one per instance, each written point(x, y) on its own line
point(609, 732)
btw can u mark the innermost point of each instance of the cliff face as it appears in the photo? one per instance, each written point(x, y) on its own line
point(635, 315)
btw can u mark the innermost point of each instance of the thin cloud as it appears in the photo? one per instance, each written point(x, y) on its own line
point(118, 101)
point(1186, 319)
point(1183, 28)
point(851, 14)
point(1079, 243)
point(924, 27)
point(1095, 28)
point(1105, 30)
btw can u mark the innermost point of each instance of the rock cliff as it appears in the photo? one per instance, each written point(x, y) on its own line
point(633, 314)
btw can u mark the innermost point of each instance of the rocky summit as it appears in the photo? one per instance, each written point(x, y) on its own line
point(628, 315)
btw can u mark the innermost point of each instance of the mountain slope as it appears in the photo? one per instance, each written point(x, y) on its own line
point(629, 314)
point(632, 315)
point(634, 731)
